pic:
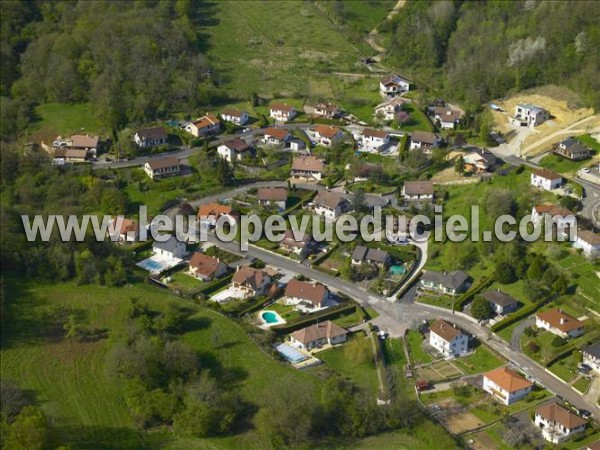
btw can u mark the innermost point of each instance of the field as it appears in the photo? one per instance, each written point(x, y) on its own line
point(63, 119)
point(273, 51)
point(69, 378)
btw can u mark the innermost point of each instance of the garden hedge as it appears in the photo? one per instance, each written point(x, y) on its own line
point(302, 322)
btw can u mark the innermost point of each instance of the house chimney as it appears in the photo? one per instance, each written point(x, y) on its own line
point(562, 320)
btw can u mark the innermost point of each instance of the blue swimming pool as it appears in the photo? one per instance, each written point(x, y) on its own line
point(270, 317)
point(151, 265)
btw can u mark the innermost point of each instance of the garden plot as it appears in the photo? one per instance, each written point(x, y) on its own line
point(439, 371)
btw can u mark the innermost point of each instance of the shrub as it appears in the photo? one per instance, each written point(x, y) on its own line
point(558, 341)
point(533, 347)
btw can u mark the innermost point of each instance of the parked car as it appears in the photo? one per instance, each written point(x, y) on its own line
point(584, 413)
point(584, 367)
point(585, 170)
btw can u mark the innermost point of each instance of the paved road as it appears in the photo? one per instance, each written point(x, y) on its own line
point(401, 315)
point(515, 339)
point(185, 152)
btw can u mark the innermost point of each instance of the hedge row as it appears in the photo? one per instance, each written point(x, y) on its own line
point(299, 205)
point(468, 296)
point(384, 390)
point(211, 287)
point(303, 322)
point(515, 317)
point(322, 257)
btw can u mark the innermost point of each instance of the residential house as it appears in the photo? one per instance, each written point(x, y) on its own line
point(168, 166)
point(505, 385)
point(418, 191)
point(448, 339)
point(273, 197)
point(449, 283)
point(210, 213)
point(312, 295)
point(589, 242)
point(326, 110)
point(300, 244)
point(546, 179)
point(318, 335)
point(423, 140)
point(373, 140)
point(325, 135)
point(206, 268)
point(393, 85)
point(234, 150)
point(530, 115)
point(445, 117)
point(362, 254)
point(128, 232)
point(282, 112)
point(72, 155)
point(572, 149)
point(86, 142)
point(557, 422)
point(388, 109)
point(172, 248)
point(559, 323)
point(500, 302)
point(330, 205)
point(204, 126)
point(235, 116)
point(480, 160)
point(591, 356)
point(276, 136)
point(149, 137)
point(251, 281)
point(309, 167)
point(559, 216)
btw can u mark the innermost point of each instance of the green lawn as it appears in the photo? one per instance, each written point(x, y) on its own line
point(65, 118)
point(565, 368)
point(582, 384)
point(253, 52)
point(562, 165)
point(363, 374)
point(482, 360)
point(181, 280)
point(70, 381)
point(417, 354)
point(363, 16)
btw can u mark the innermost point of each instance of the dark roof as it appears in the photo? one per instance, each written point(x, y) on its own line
point(593, 350)
point(424, 137)
point(161, 163)
point(152, 133)
point(452, 280)
point(499, 298)
point(362, 253)
point(329, 199)
point(169, 245)
point(238, 145)
point(445, 330)
point(547, 174)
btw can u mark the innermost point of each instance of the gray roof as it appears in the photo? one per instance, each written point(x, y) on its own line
point(499, 298)
point(593, 350)
point(450, 280)
point(362, 253)
point(169, 245)
point(152, 133)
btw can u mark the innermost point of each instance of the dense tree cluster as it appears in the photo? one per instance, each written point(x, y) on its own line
point(477, 51)
point(31, 186)
point(133, 60)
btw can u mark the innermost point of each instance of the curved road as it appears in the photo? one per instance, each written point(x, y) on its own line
point(403, 315)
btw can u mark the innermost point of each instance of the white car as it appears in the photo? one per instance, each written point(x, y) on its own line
point(585, 170)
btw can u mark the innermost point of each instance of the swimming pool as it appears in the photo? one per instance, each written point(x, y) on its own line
point(154, 266)
point(270, 318)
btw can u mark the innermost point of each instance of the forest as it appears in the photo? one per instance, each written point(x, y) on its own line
point(477, 51)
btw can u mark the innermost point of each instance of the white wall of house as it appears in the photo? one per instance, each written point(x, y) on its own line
point(545, 183)
point(374, 142)
point(457, 347)
point(178, 252)
point(591, 361)
point(555, 432)
point(241, 120)
point(589, 250)
point(283, 116)
point(500, 394)
point(546, 326)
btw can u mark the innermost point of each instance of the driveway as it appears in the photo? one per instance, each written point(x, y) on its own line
point(515, 339)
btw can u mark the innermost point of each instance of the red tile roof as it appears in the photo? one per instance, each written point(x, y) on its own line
point(547, 174)
point(553, 412)
point(204, 264)
point(314, 293)
point(327, 131)
point(508, 380)
point(323, 330)
point(444, 330)
point(278, 133)
point(272, 194)
point(559, 320)
point(308, 163)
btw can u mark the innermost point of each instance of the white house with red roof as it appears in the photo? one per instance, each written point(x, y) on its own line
point(546, 179)
point(235, 116)
point(374, 140)
point(206, 267)
point(282, 112)
point(557, 422)
point(325, 135)
point(506, 386)
point(558, 322)
point(589, 242)
point(311, 295)
point(204, 126)
point(393, 85)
